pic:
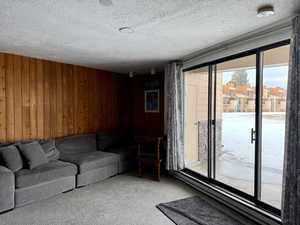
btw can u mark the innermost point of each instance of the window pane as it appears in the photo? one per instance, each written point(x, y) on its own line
point(275, 75)
point(196, 103)
point(235, 118)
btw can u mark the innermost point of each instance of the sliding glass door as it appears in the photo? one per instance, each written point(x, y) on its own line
point(274, 85)
point(196, 120)
point(235, 123)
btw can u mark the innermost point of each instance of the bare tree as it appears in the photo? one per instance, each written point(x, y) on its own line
point(240, 78)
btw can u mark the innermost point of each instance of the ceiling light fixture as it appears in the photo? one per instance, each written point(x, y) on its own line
point(106, 2)
point(127, 30)
point(265, 11)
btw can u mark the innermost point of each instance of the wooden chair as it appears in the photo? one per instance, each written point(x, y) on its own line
point(149, 153)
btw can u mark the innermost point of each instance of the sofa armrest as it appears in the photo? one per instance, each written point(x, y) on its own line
point(7, 190)
point(4, 170)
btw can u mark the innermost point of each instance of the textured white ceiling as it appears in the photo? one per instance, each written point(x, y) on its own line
point(85, 32)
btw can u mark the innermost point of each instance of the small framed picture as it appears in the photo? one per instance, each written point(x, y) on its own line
point(152, 101)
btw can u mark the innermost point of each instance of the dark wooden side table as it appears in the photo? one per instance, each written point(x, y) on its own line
point(149, 148)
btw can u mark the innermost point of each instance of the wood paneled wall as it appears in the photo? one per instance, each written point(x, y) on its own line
point(146, 123)
point(43, 99)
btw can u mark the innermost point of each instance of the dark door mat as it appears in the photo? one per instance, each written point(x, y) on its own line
point(195, 211)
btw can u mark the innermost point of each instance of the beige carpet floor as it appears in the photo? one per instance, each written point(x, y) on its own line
point(120, 200)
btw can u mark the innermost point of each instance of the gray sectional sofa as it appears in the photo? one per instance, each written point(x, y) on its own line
point(44, 181)
point(93, 165)
point(122, 144)
point(7, 191)
point(48, 167)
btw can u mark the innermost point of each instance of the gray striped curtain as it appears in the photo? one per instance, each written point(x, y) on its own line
point(175, 108)
point(291, 172)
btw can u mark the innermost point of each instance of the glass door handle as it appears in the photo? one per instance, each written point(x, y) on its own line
point(252, 135)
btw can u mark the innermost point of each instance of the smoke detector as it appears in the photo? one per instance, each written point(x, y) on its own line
point(265, 11)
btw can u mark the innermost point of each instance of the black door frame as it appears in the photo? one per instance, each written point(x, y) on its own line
point(256, 198)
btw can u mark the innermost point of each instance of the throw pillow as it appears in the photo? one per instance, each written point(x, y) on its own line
point(11, 158)
point(50, 149)
point(34, 154)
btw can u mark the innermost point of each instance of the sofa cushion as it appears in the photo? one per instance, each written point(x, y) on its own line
point(7, 190)
point(77, 144)
point(48, 146)
point(52, 170)
point(108, 140)
point(90, 160)
point(33, 153)
point(50, 149)
point(125, 153)
point(5, 144)
point(11, 158)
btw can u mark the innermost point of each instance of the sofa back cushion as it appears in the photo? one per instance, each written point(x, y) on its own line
point(108, 140)
point(50, 149)
point(33, 153)
point(77, 144)
point(11, 158)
